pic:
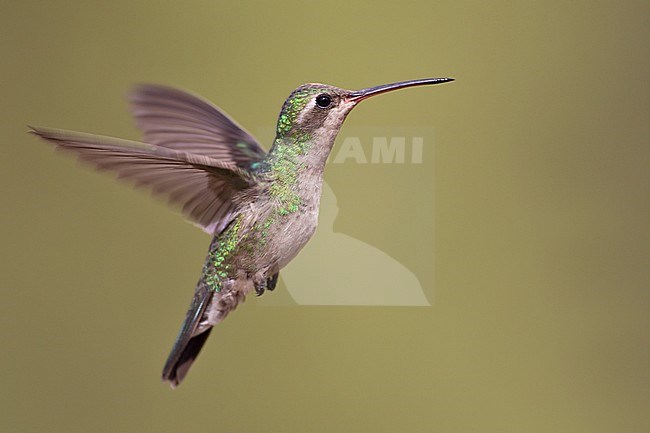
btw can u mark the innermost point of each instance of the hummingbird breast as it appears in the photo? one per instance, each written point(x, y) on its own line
point(293, 234)
point(282, 227)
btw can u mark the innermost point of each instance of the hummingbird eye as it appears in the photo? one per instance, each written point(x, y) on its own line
point(324, 100)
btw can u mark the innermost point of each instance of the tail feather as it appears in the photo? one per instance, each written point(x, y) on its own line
point(176, 374)
point(187, 345)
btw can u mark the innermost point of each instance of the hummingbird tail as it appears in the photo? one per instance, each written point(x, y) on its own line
point(188, 345)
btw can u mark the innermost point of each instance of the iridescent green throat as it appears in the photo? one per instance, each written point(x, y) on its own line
point(286, 161)
point(287, 156)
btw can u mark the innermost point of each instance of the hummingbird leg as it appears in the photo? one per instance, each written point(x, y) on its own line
point(272, 281)
point(260, 288)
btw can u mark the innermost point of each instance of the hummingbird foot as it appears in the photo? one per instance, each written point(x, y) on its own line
point(268, 284)
point(272, 281)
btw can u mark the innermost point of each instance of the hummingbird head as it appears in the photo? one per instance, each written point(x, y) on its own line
point(312, 115)
point(319, 108)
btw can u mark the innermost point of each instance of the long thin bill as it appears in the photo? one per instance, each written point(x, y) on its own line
point(360, 95)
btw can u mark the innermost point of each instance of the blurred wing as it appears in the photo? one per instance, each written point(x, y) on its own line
point(178, 120)
point(201, 186)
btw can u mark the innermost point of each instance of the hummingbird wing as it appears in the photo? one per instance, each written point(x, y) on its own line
point(202, 186)
point(179, 120)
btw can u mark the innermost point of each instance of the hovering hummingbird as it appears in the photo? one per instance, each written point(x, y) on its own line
point(261, 208)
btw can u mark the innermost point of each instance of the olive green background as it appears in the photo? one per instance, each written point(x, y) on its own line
point(536, 263)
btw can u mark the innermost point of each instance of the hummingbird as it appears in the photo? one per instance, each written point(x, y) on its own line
point(260, 208)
